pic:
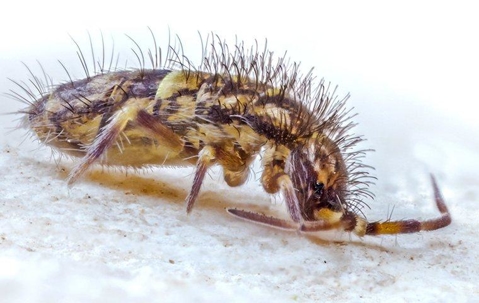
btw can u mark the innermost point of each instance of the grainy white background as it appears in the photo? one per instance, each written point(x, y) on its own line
point(412, 71)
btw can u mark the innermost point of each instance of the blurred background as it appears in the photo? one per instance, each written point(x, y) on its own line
point(411, 68)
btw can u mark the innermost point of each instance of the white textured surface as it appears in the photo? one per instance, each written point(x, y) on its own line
point(412, 73)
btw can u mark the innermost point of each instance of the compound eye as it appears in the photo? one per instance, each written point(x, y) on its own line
point(318, 188)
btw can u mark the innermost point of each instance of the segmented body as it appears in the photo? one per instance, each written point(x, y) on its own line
point(225, 112)
point(195, 112)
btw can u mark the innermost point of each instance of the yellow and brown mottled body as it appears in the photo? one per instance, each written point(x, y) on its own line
point(159, 125)
point(225, 112)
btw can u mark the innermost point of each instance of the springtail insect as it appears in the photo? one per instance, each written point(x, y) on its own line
point(238, 103)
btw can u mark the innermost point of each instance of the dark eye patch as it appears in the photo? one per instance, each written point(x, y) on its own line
point(318, 188)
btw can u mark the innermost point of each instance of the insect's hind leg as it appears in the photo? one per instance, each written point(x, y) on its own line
point(110, 132)
point(106, 137)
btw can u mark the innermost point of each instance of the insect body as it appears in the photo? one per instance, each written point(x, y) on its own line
point(231, 108)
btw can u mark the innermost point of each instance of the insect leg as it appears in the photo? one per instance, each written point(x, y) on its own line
point(165, 135)
point(412, 226)
point(274, 178)
point(235, 178)
point(290, 197)
point(159, 131)
point(282, 181)
point(105, 138)
point(206, 158)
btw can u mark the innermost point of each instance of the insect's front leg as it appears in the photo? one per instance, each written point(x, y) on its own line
point(275, 179)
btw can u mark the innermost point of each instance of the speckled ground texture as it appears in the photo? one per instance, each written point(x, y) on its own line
point(119, 236)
